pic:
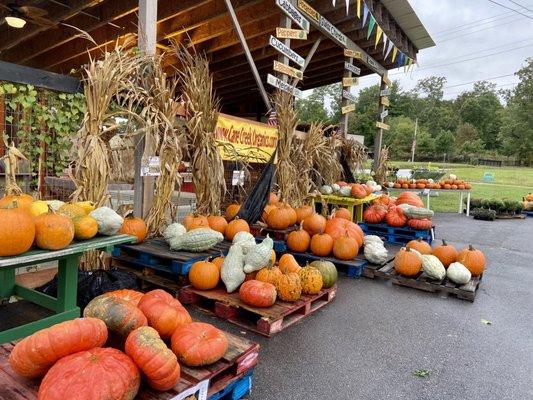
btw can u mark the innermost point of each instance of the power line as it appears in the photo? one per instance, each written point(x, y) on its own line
point(473, 25)
point(479, 80)
point(470, 23)
point(520, 5)
point(495, 87)
point(478, 30)
point(512, 9)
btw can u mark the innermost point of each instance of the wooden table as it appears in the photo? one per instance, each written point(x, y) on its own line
point(427, 192)
point(65, 304)
point(355, 206)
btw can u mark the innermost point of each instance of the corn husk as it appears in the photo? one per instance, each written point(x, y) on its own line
point(11, 159)
point(380, 174)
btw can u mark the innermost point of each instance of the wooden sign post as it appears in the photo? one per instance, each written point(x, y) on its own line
point(378, 139)
point(286, 33)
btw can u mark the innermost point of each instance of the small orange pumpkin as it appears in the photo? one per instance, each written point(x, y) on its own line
point(407, 262)
point(345, 248)
point(23, 200)
point(191, 222)
point(420, 245)
point(303, 212)
point(85, 227)
point(289, 263)
point(298, 241)
point(269, 274)
point(218, 261)
point(217, 223)
point(231, 211)
point(18, 230)
point(273, 198)
point(53, 231)
point(279, 218)
point(235, 226)
point(472, 259)
point(204, 275)
point(135, 227)
point(446, 253)
point(314, 224)
point(321, 244)
point(342, 213)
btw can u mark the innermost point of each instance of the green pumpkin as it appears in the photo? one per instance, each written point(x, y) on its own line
point(328, 271)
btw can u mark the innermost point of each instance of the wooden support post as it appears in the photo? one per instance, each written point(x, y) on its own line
point(344, 102)
point(379, 133)
point(244, 45)
point(285, 22)
point(143, 188)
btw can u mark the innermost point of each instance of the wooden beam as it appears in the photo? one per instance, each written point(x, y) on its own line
point(39, 78)
point(308, 59)
point(378, 139)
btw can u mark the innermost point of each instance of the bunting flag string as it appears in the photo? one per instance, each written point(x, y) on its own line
point(379, 32)
point(394, 53)
point(359, 9)
point(389, 48)
point(371, 26)
point(365, 14)
point(385, 40)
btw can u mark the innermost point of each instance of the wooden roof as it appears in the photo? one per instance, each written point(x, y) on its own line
point(206, 23)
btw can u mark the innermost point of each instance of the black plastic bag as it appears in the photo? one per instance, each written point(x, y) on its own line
point(95, 283)
point(255, 203)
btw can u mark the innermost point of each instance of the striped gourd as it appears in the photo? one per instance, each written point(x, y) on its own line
point(197, 240)
point(416, 212)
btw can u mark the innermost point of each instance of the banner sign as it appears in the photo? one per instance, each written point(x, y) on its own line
point(285, 69)
point(352, 68)
point(347, 95)
point(383, 126)
point(386, 80)
point(293, 14)
point(353, 54)
point(286, 33)
point(384, 114)
point(384, 92)
point(250, 140)
point(350, 81)
point(347, 109)
point(310, 11)
point(286, 51)
point(273, 81)
point(333, 32)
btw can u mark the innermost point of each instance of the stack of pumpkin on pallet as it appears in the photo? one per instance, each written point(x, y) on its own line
point(134, 327)
point(405, 210)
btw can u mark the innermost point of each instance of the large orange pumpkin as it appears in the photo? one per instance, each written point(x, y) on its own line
point(257, 293)
point(164, 312)
point(375, 214)
point(204, 275)
point(197, 344)
point(18, 230)
point(298, 241)
point(135, 227)
point(35, 354)
point(289, 263)
point(337, 227)
point(96, 374)
point(217, 223)
point(23, 200)
point(85, 227)
point(345, 248)
point(266, 211)
point(191, 222)
point(358, 191)
point(293, 216)
point(302, 212)
point(314, 224)
point(472, 259)
point(407, 262)
point(153, 357)
point(231, 211)
point(342, 213)
point(236, 226)
point(53, 231)
point(446, 253)
point(321, 244)
point(129, 295)
point(420, 245)
point(395, 217)
point(410, 198)
point(279, 218)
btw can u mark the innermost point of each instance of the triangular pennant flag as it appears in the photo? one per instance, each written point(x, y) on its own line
point(371, 26)
point(389, 48)
point(333, 2)
point(365, 14)
point(359, 9)
point(347, 6)
point(394, 53)
point(385, 40)
point(379, 32)
point(400, 60)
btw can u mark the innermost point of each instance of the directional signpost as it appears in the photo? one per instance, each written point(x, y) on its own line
point(353, 54)
point(347, 95)
point(287, 33)
point(382, 125)
point(384, 101)
point(286, 51)
point(384, 114)
point(348, 108)
point(352, 68)
point(278, 83)
point(385, 92)
point(285, 69)
point(293, 13)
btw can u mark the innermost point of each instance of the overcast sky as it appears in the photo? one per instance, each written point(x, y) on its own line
point(464, 29)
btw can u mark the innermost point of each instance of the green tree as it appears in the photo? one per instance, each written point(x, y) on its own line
point(444, 143)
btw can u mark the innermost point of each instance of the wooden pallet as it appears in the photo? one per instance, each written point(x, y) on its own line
point(370, 269)
point(508, 216)
point(238, 362)
point(265, 321)
point(399, 235)
point(262, 230)
point(352, 268)
point(423, 282)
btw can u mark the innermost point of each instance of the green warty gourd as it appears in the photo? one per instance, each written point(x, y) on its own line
point(197, 240)
point(259, 256)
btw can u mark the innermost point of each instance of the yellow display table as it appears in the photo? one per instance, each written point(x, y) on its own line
point(355, 206)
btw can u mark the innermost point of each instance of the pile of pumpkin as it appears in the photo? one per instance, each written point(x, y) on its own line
point(405, 210)
point(528, 202)
point(440, 262)
point(53, 225)
point(253, 269)
point(134, 326)
point(453, 184)
point(356, 190)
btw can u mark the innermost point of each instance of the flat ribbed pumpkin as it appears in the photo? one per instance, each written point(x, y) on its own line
point(129, 295)
point(199, 344)
point(257, 293)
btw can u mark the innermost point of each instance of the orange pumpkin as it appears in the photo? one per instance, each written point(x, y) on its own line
point(231, 211)
point(266, 211)
point(314, 224)
point(289, 263)
point(273, 198)
point(191, 222)
point(345, 248)
point(269, 274)
point(199, 344)
point(302, 212)
point(204, 275)
point(218, 262)
point(342, 213)
point(217, 223)
point(23, 200)
point(289, 286)
point(85, 227)
point(298, 241)
point(235, 226)
point(337, 227)
point(472, 259)
point(321, 244)
point(409, 198)
point(273, 258)
point(407, 262)
point(358, 191)
point(420, 245)
point(53, 231)
point(257, 293)
point(279, 218)
point(18, 230)
point(131, 296)
point(135, 227)
point(446, 253)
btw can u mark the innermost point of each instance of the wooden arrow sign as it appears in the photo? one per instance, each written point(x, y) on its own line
point(286, 33)
point(347, 95)
point(286, 51)
point(285, 69)
point(348, 108)
point(352, 68)
point(386, 80)
point(384, 101)
point(350, 81)
point(293, 13)
point(272, 80)
point(353, 54)
point(384, 92)
point(383, 126)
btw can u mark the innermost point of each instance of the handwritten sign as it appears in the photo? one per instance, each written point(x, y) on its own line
point(286, 33)
point(347, 109)
point(384, 92)
point(198, 391)
point(273, 81)
point(373, 63)
point(353, 54)
point(384, 114)
point(310, 11)
point(384, 101)
point(333, 32)
point(347, 95)
point(350, 81)
point(352, 68)
point(386, 80)
point(383, 126)
point(286, 51)
point(285, 69)
point(293, 13)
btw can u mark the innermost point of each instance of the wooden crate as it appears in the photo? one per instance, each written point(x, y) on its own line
point(237, 363)
point(370, 269)
point(423, 282)
point(265, 321)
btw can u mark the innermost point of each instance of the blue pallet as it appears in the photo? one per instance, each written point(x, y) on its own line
point(528, 213)
point(397, 235)
point(235, 390)
point(353, 268)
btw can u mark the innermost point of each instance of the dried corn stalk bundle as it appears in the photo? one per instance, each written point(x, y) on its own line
point(121, 159)
point(380, 174)
point(354, 154)
point(287, 173)
point(206, 162)
point(327, 164)
point(13, 155)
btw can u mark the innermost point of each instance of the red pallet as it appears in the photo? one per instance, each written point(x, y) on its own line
point(265, 321)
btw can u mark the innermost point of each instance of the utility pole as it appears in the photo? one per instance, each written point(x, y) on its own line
point(413, 147)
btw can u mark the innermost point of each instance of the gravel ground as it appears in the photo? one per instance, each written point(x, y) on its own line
point(369, 340)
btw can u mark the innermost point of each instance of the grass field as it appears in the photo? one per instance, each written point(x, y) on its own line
point(509, 182)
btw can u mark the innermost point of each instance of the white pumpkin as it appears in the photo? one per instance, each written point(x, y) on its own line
point(326, 189)
point(174, 230)
point(371, 239)
point(246, 240)
point(391, 184)
point(433, 267)
point(259, 256)
point(345, 191)
point(378, 188)
point(335, 187)
point(109, 222)
point(232, 273)
point(458, 273)
point(376, 253)
point(55, 204)
point(371, 183)
point(453, 176)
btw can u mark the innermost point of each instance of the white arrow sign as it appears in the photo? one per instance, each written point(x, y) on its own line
point(272, 80)
point(347, 95)
point(384, 114)
point(286, 51)
point(352, 68)
point(293, 13)
point(384, 92)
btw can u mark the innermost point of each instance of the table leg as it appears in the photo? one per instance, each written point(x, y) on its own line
point(468, 204)
point(427, 197)
point(67, 286)
point(7, 282)
point(461, 203)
